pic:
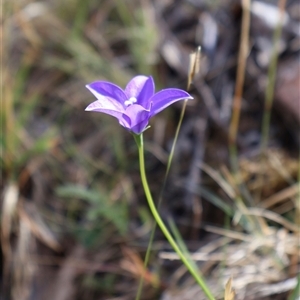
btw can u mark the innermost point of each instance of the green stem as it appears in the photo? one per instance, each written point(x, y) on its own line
point(147, 256)
point(160, 223)
point(269, 97)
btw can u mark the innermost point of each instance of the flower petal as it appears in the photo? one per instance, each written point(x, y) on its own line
point(140, 127)
point(137, 116)
point(107, 89)
point(166, 97)
point(142, 88)
point(108, 106)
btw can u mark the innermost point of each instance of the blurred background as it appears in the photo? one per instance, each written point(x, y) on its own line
point(74, 220)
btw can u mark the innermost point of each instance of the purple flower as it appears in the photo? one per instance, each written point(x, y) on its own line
point(135, 105)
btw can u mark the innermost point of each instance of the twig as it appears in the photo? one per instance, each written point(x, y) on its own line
point(240, 78)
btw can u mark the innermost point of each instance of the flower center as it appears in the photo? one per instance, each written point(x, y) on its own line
point(130, 101)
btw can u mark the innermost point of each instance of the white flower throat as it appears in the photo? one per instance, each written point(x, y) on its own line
point(130, 101)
